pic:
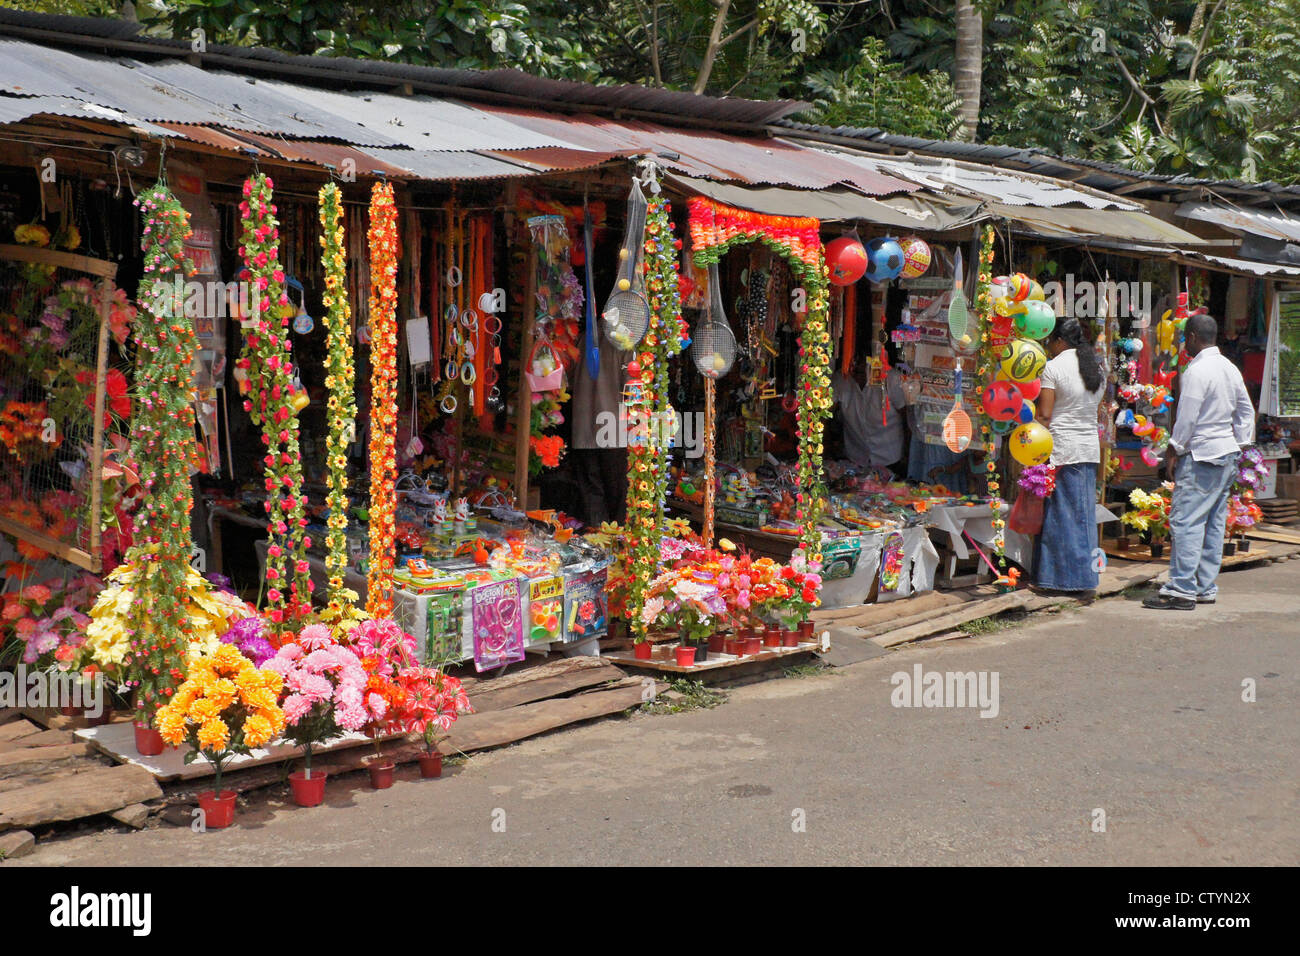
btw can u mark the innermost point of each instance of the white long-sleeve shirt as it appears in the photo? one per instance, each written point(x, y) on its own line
point(1215, 416)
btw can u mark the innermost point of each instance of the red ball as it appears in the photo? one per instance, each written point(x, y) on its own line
point(1030, 390)
point(1002, 400)
point(847, 259)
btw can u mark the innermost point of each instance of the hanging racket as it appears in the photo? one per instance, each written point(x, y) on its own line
point(626, 312)
point(956, 427)
point(957, 318)
point(713, 346)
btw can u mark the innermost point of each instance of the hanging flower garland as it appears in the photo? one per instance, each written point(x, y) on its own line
point(273, 403)
point(715, 228)
point(340, 380)
point(648, 472)
point(383, 398)
point(162, 444)
point(985, 374)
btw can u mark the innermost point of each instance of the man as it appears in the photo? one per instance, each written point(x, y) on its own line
point(873, 435)
point(1215, 419)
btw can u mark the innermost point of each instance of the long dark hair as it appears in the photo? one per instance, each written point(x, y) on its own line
point(1071, 332)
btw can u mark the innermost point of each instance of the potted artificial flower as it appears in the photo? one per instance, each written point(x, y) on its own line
point(385, 650)
point(1149, 514)
point(432, 702)
point(225, 707)
point(324, 682)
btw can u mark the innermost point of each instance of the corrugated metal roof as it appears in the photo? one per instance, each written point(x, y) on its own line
point(1275, 225)
point(1243, 266)
point(510, 84)
point(15, 109)
point(983, 182)
point(1122, 224)
point(447, 166)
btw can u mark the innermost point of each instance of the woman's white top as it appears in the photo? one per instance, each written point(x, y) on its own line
point(1074, 416)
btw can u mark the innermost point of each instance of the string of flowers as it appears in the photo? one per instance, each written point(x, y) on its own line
point(340, 381)
point(715, 228)
point(984, 375)
point(383, 398)
point(274, 405)
point(1038, 480)
point(159, 628)
point(648, 459)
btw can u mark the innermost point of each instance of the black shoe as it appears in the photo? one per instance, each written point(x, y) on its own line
point(1165, 602)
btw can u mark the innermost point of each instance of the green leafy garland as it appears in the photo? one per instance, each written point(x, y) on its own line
point(277, 402)
point(162, 443)
point(648, 457)
point(340, 380)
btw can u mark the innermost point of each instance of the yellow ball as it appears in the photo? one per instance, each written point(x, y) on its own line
point(624, 284)
point(1031, 444)
point(1023, 361)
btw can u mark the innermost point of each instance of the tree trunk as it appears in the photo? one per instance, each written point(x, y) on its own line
point(968, 65)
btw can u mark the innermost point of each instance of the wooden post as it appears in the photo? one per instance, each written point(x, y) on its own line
point(710, 459)
point(97, 442)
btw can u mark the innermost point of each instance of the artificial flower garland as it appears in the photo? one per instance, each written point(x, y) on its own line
point(340, 381)
point(984, 376)
point(383, 398)
point(648, 459)
point(274, 403)
point(714, 229)
point(159, 628)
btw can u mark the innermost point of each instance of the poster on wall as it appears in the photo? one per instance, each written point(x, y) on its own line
point(1280, 396)
point(495, 615)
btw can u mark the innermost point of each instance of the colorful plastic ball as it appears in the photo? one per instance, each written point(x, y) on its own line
point(847, 260)
point(1031, 444)
point(1002, 400)
point(1001, 428)
point(916, 258)
point(1037, 321)
point(1028, 412)
point(1023, 361)
point(1031, 389)
point(884, 259)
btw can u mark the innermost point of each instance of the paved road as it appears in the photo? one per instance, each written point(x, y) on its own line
point(1137, 713)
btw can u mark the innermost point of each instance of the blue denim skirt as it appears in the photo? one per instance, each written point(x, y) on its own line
point(1063, 558)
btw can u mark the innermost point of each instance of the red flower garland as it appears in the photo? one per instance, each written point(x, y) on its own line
point(383, 398)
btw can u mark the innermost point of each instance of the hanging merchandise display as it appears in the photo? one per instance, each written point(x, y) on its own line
point(382, 238)
point(559, 302)
point(956, 427)
point(627, 312)
point(162, 443)
point(713, 349)
point(957, 306)
point(273, 402)
point(986, 318)
point(1023, 361)
point(341, 405)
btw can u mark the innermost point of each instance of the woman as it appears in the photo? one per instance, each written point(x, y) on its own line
point(1072, 385)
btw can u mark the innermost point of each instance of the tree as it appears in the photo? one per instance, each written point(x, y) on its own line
point(969, 65)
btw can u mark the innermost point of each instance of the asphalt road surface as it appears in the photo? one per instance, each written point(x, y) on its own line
point(1109, 714)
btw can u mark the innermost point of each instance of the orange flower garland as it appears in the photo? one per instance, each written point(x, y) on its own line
point(383, 398)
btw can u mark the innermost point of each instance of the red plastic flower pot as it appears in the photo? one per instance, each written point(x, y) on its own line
point(430, 766)
point(148, 742)
point(806, 630)
point(381, 775)
point(308, 791)
point(772, 637)
point(685, 656)
point(642, 651)
point(218, 811)
point(717, 642)
point(790, 638)
point(744, 634)
point(753, 645)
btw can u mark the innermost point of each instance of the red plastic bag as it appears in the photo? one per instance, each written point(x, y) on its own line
point(1027, 514)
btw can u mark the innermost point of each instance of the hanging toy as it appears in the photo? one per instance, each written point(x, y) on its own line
point(1037, 321)
point(884, 259)
point(957, 316)
point(1002, 400)
point(1031, 444)
point(847, 260)
point(916, 258)
point(1024, 361)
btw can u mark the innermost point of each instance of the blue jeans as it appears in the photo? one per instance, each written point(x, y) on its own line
point(1197, 518)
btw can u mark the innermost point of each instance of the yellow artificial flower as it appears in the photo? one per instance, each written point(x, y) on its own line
point(257, 730)
point(214, 735)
